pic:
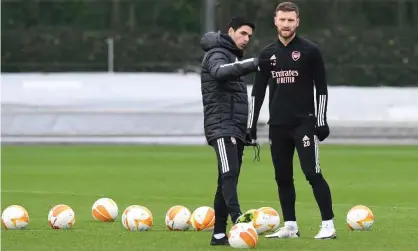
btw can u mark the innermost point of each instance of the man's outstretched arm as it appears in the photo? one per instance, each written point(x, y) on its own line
point(220, 69)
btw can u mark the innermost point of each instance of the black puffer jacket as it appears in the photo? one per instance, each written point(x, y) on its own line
point(224, 93)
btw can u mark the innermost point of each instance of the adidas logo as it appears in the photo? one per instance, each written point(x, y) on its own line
point(306, 138)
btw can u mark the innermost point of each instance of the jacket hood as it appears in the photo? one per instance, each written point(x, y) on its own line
point(219, 40)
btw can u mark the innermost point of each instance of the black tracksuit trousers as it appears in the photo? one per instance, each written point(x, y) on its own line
point(283, 142)
point(229, 152)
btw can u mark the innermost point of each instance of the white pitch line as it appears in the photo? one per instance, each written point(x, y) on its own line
point(195, 198)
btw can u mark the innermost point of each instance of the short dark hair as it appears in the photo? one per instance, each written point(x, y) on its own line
point(288, 7)
point(236, 22)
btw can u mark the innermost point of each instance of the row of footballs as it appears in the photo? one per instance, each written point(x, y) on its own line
point(134, 218)
point(178, 218)
point(138, 218)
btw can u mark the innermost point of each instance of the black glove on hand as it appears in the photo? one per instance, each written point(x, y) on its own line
point(322, 132)
point(249, 138)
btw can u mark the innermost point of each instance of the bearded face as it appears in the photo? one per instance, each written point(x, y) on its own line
point(286, 23)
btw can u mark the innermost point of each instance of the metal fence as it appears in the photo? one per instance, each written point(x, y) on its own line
point(365, 42)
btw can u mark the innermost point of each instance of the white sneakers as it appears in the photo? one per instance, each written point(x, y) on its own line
point(327, 231)
point(284, 232)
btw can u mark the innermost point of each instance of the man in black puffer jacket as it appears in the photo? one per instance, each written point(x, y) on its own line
point(225, 102)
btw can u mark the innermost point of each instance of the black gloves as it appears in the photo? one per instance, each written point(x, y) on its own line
point(322, 132)
point(250, 137)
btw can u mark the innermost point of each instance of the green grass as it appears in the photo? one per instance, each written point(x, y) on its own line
point(39, 177)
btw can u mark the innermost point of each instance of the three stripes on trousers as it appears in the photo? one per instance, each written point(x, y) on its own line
point(223, 155)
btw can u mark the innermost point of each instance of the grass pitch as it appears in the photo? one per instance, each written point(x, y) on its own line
point(158, 177)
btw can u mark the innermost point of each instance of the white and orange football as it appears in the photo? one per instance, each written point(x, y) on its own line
point(177, 218)
point(360, 218)
point(137, 218)
point(243, 235)
point(203, 219)
point(105, 210)
point(265, 219)
point(61, 217)
point(15, 217)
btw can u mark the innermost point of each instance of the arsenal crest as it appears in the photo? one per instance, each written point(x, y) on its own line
point(295, 55)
